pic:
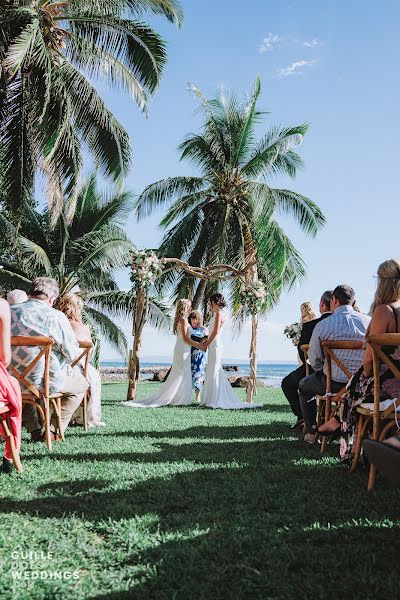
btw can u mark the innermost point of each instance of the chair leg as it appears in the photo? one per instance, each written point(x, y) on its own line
point(47, 423)
point(371, 477)
point(327, 417)
point(59, 423)
point(387, 427)
point(84, 408)
point(14, 452)
point(5, 422)
point(357, 447)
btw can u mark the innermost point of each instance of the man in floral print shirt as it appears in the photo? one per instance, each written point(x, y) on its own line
point(38, 317)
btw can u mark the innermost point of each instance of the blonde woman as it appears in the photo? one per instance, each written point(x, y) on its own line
point(71, 305)
point(307, 313)
point(177, 389)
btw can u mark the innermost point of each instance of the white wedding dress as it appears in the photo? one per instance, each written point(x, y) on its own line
point(217, 391)
point(177, 389)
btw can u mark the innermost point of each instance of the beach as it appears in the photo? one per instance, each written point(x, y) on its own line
point(271, 374)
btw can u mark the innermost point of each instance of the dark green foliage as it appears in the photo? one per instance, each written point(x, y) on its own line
point(50, 112)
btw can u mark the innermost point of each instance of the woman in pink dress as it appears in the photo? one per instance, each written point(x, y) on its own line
point(10, 392)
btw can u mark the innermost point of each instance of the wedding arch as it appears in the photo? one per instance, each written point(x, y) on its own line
point(147, 267)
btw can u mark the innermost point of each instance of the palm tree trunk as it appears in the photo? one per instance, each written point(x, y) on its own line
point(199, 295)
point(134, 354)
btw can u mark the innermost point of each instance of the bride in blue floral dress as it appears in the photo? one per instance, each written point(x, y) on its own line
point(198, 357)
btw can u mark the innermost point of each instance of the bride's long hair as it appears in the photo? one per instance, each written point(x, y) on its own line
point(183, 309)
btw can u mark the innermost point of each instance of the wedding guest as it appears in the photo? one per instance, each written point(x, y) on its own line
point(344, 324)
point(71, 305)
point(10, 392)
point(385, 312)
point(16, 297)
point(37, 317)
point(198, 357)
point(307, 313)
point(290, 384)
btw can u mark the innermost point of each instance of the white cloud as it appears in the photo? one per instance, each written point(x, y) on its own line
point(295, 68)
point(269, 42)
point(314, 43)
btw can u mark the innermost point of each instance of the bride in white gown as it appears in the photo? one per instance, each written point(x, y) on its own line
point(217, 391)
point(177, 389)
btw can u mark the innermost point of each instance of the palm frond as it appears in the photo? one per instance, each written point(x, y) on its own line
point(107, 329)
point(163, 192)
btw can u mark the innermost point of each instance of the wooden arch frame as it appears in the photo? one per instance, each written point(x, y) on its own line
point(219, 272)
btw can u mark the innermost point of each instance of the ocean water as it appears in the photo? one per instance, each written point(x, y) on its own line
point(270, 373)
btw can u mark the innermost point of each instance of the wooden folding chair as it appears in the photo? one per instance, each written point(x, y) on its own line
point(86, 348)
point(330, 402)
point(34, 395)
point(383, 421)
point(319, 399)
point(305, 348)
point(5, 421)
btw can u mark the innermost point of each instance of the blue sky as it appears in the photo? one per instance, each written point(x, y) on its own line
point(331, 63)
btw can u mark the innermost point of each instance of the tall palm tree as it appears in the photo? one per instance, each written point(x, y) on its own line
point(227, 213)
point(50, 111)
point(81, 250)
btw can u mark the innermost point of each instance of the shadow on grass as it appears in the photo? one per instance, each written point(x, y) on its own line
point(256, 532)
point(280, 428)
point(257, 521)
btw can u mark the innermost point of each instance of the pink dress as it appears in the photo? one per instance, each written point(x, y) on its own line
point(10, 395)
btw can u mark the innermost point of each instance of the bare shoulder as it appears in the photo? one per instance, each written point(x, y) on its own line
point(382, 311)
point(383, 319)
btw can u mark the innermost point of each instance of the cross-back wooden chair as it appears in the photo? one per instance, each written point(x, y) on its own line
point(5, 421)
point(383, 421)
point(319, 399)
point(305, 348)
point(86, 348)
point(330, 402)
point(31, 394)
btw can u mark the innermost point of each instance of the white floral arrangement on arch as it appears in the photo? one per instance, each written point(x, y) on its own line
point(293, 332)
point(253, 297)
point(146, 267)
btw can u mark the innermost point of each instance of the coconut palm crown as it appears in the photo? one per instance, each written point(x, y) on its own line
point(51, 52)
point(228, 212)
point(82, 251)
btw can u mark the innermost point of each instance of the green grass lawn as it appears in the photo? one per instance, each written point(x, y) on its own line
point(194, 503)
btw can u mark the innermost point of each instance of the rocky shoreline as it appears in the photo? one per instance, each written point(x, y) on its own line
point(120, 374)
point(111, 374)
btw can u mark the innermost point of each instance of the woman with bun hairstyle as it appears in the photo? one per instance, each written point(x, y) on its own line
point(217, 391)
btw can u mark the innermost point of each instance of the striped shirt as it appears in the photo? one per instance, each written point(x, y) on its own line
point(344, 324)
point(33, 318)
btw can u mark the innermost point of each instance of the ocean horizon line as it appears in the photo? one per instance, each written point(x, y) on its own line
point(226, 361)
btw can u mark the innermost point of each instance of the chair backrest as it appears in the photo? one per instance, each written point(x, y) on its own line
point(45, 345)
point(329, 347)
point(377, 343)
point(86, 348)
point(305, 348)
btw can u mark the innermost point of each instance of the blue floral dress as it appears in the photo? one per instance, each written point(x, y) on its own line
point(198, 361)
